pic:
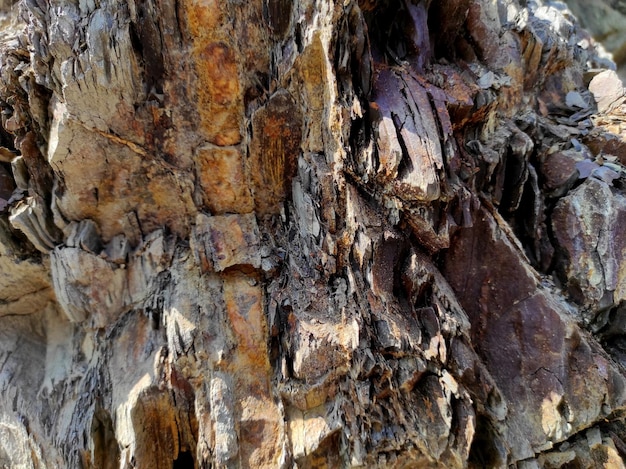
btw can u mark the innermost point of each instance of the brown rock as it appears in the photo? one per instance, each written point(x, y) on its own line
point(526, 336)
point(313, 66)
point(261, 424)
point(274, 150)
point(223, 180)
point(600, 141)
point(558, 171)
point(228, 240)
point(272, 233)
point(408, 144)
point(217, 87)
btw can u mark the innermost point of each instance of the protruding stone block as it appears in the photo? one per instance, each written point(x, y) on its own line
point(274, 150)
point(223, 180)
point(224, 241)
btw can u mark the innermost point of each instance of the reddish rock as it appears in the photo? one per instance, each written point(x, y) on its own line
point(224, 182)
point(217, 85)
point(227, 240)
point(558, 171)
point(529, 342)
point(600, 141)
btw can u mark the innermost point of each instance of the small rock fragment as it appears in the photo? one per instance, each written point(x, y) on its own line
point(575, 99)
point(559, 171)
point(608, 90)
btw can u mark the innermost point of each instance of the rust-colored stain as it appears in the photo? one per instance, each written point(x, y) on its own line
point(220, 73)
point(218, 93)
point(223, 180)
point(244, 306)
point(275, 146)
point(203, 17)
point(216, 62)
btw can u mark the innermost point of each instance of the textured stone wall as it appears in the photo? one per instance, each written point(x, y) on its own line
point(309, 234)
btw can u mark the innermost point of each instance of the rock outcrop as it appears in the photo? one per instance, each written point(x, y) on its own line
point(310, 234)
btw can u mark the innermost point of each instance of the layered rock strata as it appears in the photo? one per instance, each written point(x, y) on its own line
point(309, 234)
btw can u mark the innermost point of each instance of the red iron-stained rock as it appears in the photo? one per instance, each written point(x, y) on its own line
point(558, 171)
point(525, 335)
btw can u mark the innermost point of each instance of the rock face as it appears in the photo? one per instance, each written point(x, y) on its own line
point(309, 234)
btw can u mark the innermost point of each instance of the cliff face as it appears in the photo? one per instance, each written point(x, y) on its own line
point(309, 234)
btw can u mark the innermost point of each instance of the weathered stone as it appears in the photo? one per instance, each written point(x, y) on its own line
point(585, 452)
point(330, 354)
point(217, 85)
point(223, 415)
point(408, 141)
point(527, 336)
point(587, 226)
point(310, 431)
point(308, 219)
point(147, 189)
point(602, 142)
point(279, 16)
point(7, 186)
point(223, 179)
point(117, 249)
point(92, 288)
point(313, 66)
point(608, 90)
point(25, 284)
point(261, 423)
point(83, 235)
point(227, 240)
point(29, 216)
point(558, 171)
point(274, 150)
point(20, 173)
point(87, 284)
point(606, 20)
point(268, 234)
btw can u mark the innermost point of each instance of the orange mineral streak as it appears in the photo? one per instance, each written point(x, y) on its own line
point(244, 305)
point(223, 180)
point(217, 89)
point(260, 420)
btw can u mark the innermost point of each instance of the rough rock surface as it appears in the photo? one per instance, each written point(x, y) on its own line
point(309, 234)
point(606, 21)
